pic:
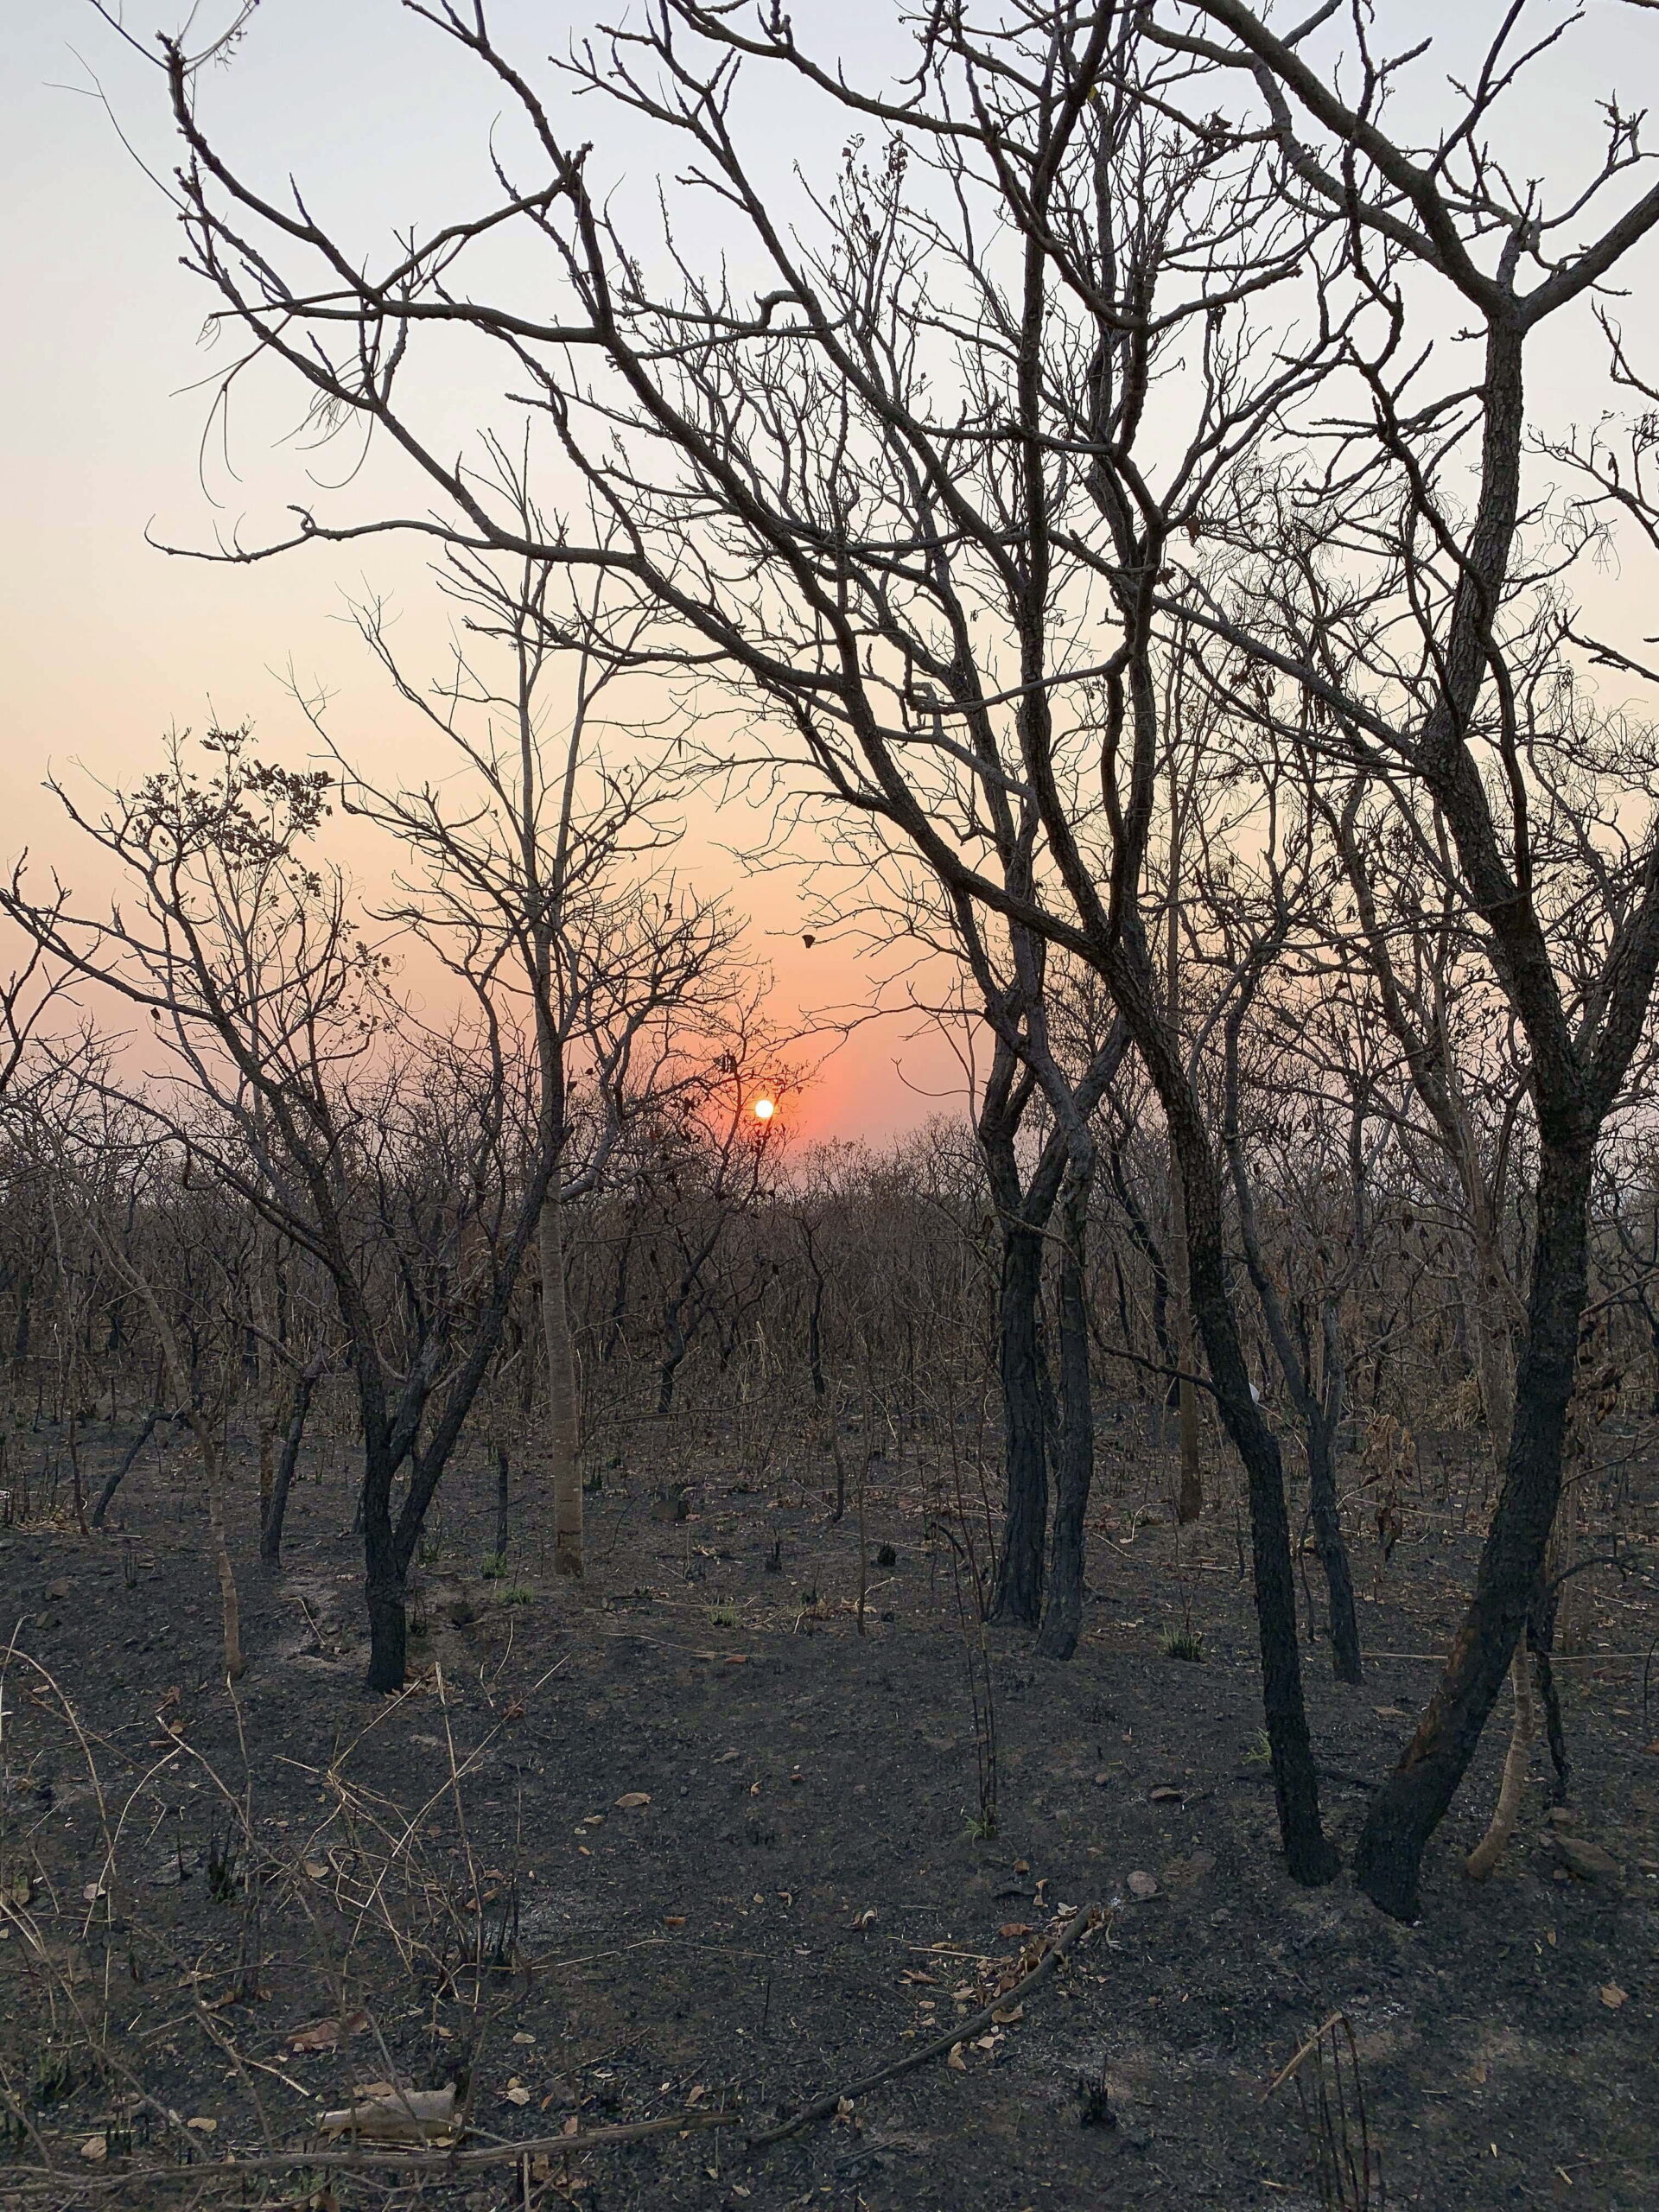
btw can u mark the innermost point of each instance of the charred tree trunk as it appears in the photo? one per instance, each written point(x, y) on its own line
point(1333, 1550)
point(1412, 1801)
point(271, 1531)
point(106, 1495)
point(1063, 1616)
point(1018, 1592)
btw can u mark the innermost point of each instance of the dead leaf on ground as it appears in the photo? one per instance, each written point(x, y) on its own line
point(673, 1920)
point(203, 2125)
point(860, 1921)
point(95, 2148)
point(1612, 1996)
point(1005, 2015)
point(1164, 1794)
point(631, 1800)
point(955, 2061)
point(1011, 1930)
point(1142, 1885)
point(517, 2093)
point(326, 2035)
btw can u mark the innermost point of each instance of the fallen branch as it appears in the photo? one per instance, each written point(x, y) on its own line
point(387, 2161)
point(824, 2107)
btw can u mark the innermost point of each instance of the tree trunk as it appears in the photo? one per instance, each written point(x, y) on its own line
point(1063, 1616)
point(562, 1422)
point(385, 1591)
point(1018, 1592)
point(1487, 1852)
point(1410, 1805)
point(1333, 1552)
point(270, 1530)
point(106, 1495)
point(502, 1471)
point(1309, 1853)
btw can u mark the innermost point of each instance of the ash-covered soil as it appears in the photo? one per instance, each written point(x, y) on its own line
point(680, 1839)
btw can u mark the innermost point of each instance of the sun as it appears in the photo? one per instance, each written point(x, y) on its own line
point(765, 1109)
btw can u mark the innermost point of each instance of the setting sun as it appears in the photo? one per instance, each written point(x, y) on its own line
point(765, 1109)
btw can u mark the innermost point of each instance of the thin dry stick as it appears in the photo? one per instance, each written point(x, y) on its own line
point(823, 2107)
point(490, 2154)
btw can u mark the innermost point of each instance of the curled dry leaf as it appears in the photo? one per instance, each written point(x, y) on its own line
point(631, 1800)
point(955, 2061)
point(517, 2093)
point(1612, 1996)
point(95, 2148)
point(203, 2125)
point(862, 1920)
point(673, 1920)
point(326, 2035)
point(1011, 1930)
point(1005, 2015)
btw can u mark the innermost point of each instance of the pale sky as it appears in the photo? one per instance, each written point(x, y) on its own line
point(108, 641)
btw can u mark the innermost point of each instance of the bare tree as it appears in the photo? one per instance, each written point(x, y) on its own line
point(821, 495)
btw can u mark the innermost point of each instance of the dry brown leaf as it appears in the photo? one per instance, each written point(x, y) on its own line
point(1011, 1930)
point(862, 1920)
point(631, 1800)
point(517, 2093)
point(203, 2125)
point(1612, 1996)
point(673, 1920)
point(1164, 1794)
point(1142, 1885)
point(1005, 2015)
point(955, 2061)
point(326, 2035)
point(95, 2148)
point(316, 1870)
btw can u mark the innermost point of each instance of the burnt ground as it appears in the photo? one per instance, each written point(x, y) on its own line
point(186, 1883)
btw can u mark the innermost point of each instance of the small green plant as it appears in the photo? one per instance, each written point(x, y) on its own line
point(1182, 1643)
point(517, 1594)
point(493, 1568)
point(724, 1615)
point(1261, 1750)
point(53, 2078)
point(980, 1828)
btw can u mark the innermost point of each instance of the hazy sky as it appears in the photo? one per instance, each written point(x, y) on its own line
point(108, 641)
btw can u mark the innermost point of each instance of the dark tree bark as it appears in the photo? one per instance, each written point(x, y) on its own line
point(275, 1514)
point(1021, 1364)
point(106, 1495)
point(1063, 1616)
point(1409, 1806)
point(499, 1548)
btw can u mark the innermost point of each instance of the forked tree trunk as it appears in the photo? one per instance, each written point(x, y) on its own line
point(562, 1409)
point(1408, 1808)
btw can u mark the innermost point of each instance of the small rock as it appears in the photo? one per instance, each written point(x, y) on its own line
point(1142, 1885)
point(1587, 1860)
point(57, 1590)
point(1102, 1780)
